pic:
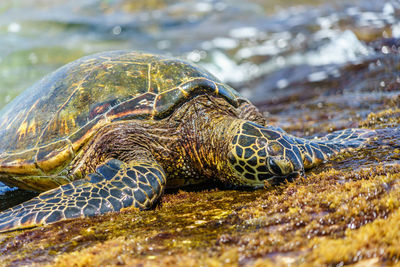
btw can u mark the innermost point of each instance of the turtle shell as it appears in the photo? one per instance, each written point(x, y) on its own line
point(42, 129)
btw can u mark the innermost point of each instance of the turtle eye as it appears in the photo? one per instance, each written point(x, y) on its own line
point(274, 167)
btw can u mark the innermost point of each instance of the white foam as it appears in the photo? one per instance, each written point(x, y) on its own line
point(14, 27)
point(342, 47)
point(317, 76)
point(243, 32)
point(228, 70)
point(225, 43)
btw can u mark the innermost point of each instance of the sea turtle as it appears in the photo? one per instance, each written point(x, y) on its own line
point(114, 129)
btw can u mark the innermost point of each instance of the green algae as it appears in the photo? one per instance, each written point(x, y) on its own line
point(385, 118)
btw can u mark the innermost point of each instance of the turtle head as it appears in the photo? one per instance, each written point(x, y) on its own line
point(258, 153)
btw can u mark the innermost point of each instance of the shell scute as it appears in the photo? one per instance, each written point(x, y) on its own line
point(198, 86)
point(101, 108)
point(140, 107)
point(229, 94)
point(54, 156)
point(166, 102)
point(20, 163)
point(169, 73)
point(83, 134)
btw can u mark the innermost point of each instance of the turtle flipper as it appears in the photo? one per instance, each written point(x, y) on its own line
point(318, 150)
point(114, 185)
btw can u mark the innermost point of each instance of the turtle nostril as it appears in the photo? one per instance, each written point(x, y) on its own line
point(274, 167)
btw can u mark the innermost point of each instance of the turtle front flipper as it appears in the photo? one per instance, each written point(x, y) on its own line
point(114, 185)
point(318, 150)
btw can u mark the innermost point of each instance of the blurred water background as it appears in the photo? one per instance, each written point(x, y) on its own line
point(285, 56)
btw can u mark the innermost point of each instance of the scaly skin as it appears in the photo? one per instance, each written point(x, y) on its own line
point(130, 163)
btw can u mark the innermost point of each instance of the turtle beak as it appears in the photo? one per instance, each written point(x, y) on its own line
point(296, 175)
point(276, 180)
point(293, 176)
